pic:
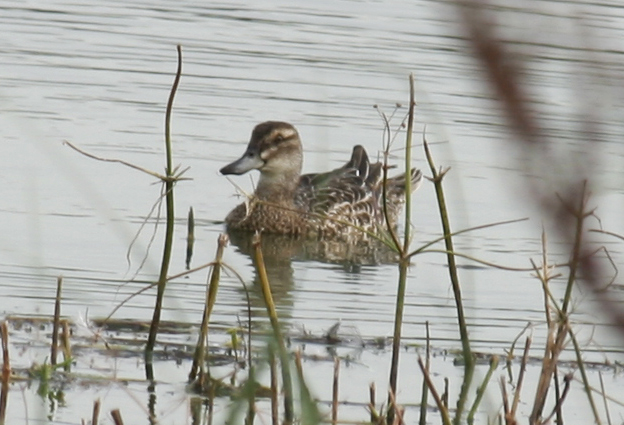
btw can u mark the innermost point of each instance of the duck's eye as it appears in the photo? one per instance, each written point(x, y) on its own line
point(279, 138)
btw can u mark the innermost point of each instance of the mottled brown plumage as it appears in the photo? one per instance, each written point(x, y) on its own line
point(327, 205)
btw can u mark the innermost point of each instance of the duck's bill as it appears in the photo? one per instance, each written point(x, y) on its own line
point(249, 161)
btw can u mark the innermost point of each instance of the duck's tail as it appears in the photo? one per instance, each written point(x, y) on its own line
point(397, 185)
point(371, 176)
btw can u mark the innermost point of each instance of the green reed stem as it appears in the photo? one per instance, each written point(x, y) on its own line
point(251, 396)
point(586, 385)
point(211, 297)
point(277, 334)
point(166, 259)
point(424, 399)
point(274, 386)
point(481, 390)
point(396, 337)
point(404, 260)
point(408, 167)
point(448, 241)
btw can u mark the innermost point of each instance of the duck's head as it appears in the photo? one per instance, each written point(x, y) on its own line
point(274, 149)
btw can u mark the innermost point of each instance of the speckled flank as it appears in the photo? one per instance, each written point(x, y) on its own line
point(326, 205)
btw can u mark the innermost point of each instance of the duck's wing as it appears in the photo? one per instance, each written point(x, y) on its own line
point(343, 191)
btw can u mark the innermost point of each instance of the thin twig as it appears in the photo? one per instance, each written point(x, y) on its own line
point(159, 176)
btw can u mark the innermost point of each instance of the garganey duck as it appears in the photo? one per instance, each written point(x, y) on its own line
point(324, 205)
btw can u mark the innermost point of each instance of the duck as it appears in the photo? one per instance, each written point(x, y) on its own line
point(345, 201)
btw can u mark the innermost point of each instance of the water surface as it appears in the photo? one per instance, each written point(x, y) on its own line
point(99, 75)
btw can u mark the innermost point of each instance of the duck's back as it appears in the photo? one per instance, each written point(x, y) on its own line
point(351, 196)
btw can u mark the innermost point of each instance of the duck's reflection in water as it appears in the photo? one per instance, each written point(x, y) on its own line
point(279, 253)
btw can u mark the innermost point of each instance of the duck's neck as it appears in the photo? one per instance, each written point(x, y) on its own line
point(277, 188)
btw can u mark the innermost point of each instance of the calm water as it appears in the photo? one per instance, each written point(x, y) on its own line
point(99, 76)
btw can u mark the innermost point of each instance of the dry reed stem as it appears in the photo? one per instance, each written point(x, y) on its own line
point(335, 391)
point(190, 237)
point(504, 75)
point(545, 277)
point(523, 363)
point(554, 346)
point(580, 214)
point(277, 335)
point(55, 323)
point(374, 415)
point(444, 413)
point(211, 296)
point(95, 417)
point(549, 363)
point(6, 361)
point(398, 410)
point(510, 354)
point(566, 379)
point(557, 411)
point(66, 346)
point(6, 371)
point(508, 418)
point(445, 395)
point(117, 419)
